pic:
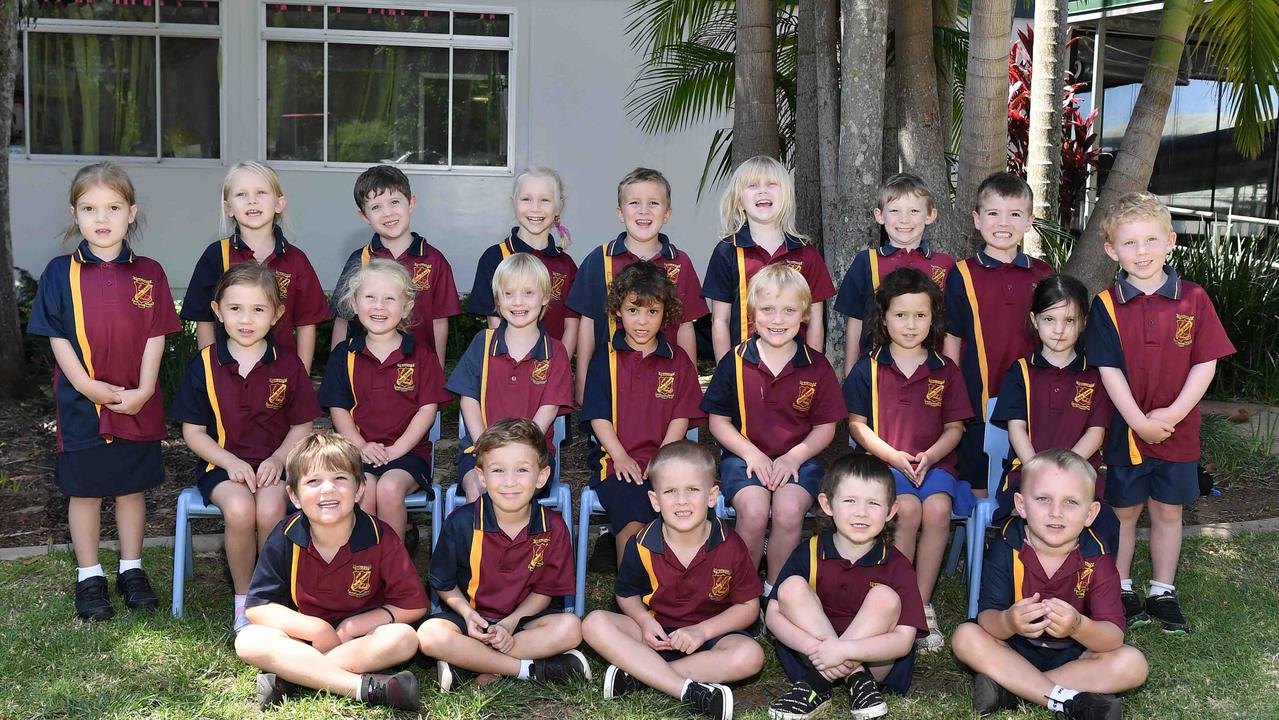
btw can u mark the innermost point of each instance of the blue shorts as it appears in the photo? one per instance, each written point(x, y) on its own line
point(732, 477)
point(460, 622)
point(970, 457)
point(122, 467)
point(466, 463)
point(798, 668)
point(1171, 483)
point(673, 655)
point(624, 502)
point(936, 481)
point(1045, 658)
point(210, 479)
point(412, 464)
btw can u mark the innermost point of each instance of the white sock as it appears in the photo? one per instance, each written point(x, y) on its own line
point(126, 565)
point(526, 668)
point(1126, 585)
point(1157, 588)
point(768, 589)
point(84, 573)
point(237, 602)
point(1058, 697)
point(359, 690)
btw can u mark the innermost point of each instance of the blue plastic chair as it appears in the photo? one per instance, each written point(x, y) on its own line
point(996, 447)
point(191, 505)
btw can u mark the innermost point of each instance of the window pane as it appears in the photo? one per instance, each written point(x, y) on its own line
point(486, 24)
point(352, 17)
point(92, 94)
point(294, 16)
point(196, 12)
point(479, 107)
point(295, 101)
point(388, 104)
point(66, 10)
point(189, 97)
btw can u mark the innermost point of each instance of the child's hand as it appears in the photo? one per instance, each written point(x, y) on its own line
point(923, 464)
point(375, 454)
point(500, 638)
point(1028, 616)
point(270, 472)
point(827, 655)
point(688, 639)
point(759, 465)
point(394, 452)
point(242, 472)
point(784, 469)
point(102, 393)
point(478, 628)
point(654, 636)
point(904, 463)
point(628, 470)
point(130, 402)
point(1063, 619)
point(1154, 431)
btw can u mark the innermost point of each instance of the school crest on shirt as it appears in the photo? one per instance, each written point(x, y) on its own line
point(665, 385)
point(541, 371)
point(1083, 395)
point(421, 276)
point(804, 400)
point(672, 273)
point(557, 285)
point(405, 377)
point(935, 393)
point(1085, 579)
point(277, 389)
point(144, 292)
point(796, 265)
point(539, 551)
point(282, 282)
point(1185, 333)
point(938, 274)
point(721, 583)
point(361, 581)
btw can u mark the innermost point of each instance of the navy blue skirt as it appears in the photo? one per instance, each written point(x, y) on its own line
point(118, 468)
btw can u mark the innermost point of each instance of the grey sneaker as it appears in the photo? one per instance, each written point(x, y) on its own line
point(934, 640)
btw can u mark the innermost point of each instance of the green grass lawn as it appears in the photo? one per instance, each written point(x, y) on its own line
point(54, 666)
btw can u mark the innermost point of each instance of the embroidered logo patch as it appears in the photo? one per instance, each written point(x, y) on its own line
point(721, 583)
point(557, 285)
point(672, 273)
point(404, 377)
point(938, 274)
point(143, 292)
point(421, 276)
point(1185, 333)
point(541, 371)
point(665, 385)
point(935, 392)
point(795, 265)
point(1083, 395)
point(276, 391)
point(804, 400)
point(282, 281)
point(539, 550)
point(1085, 579)
point(361, 577)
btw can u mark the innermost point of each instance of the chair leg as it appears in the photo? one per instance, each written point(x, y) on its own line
point(181, 558)
point(957, 546)
point(976, 557)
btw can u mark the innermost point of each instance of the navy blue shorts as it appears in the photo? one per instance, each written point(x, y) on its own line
point(412, 464)
point(970, 457)
point(1045, 658)
point(466, 463)
point(799, 668)
point(210, 479)
point(122, 467)
point(732, 477)
point(1171, 483)
point(624, 502)
point(461, 623)
point(673, 655)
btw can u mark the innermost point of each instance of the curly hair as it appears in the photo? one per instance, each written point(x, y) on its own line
point(906, 281)
point(647, 284)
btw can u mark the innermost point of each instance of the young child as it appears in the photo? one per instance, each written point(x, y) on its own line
point(1060, 392)
point(773, 404)
point(106, 311)
point(688, 593)
point(1156, 339)
point(333, 590)
point(244, 403)
point(538, 199)
point(499, 564)
point(382, 390)
point(846, 605)
point(385, 201)
point(907, 407)
point(1051, 626)
point(252, 209)
point(757, 214)
point(987, 301)
point(642, 393)
point(905, 208)
point(514, 370)
point(643, 207)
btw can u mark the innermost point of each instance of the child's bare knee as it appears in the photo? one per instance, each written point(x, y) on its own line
point(969, 641)
point(882, 599)
point(909, 511)
point(747, 657)
point(793, 589)
point(435, 634)
point(565, 626)
point(936, 510)
point(1131, 664)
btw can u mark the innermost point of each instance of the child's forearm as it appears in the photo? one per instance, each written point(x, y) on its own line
point(1192, 392)
point(686, 338)
point(675, 430)
point(206, 333)
point(69, 364)
point(531, 605)
point(607, 437)
point(295, 435)
point(817, 440)
point(570, 335)
point(1098, 635)
point(286, 620)
point(1019, 438)
point(951, 347)
point(472, 416)
point(339, 331)
point(454, 600)
point(345, 425)
point(889, 646)
point(946, 444)
point(737, 617)
point(306, 345)
point(728, 436)
point(815, 336)
point(440, 331)
point(417, 429)
point(852, 343)
point(585, 350)
point(866, 438)
point(1090, 442)
point(1120, 393)
point(720, 334)
point(205, 447)
point(151, 357)
point(545, 416)
point(997, 623)
point(633, 608)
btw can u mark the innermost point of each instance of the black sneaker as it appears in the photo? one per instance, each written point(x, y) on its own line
point(272, 689)
point(799, 703)
point(618, 682)
point(91, 600)
point(710, 699)
point(1134, 609)
point(397, 691)
point(1167, 611)
point(135, 588)
point(604, 555)
point(1092, 706)
point(559, 668)
point(989, 696)
point(451, 676)
point(864, 700)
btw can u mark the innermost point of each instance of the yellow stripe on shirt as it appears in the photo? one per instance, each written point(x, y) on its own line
point(1134, 454)
point(206, 356)
point(82, 335)
point(742, 284)
point(978, 338)
point(741, 391)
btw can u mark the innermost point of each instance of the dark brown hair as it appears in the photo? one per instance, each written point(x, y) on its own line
point(326, 450)
point(863, 467)
point(1005, 185)
point(906, 281)
point(512, 431)
point(253, 274)
point(651, 286)
point(380, 179)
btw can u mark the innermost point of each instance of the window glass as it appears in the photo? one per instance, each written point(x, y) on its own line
point(480, 81)
point(295, 101)
point(190, 100)
point(388, 104)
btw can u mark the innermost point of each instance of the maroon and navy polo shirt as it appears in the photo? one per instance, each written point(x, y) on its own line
point(383, 395)
point(304, 301)
point(987, 306)
point(1058, 406)
point(856, 296)
point(496, 572)
point(737, 258)
point(908, 413)
point(249, 416)
point(559, 264)
point(431, 275)
point(107, 310)
point(639, 396)
point(509, 388)
point(1087, 579)
point(718, 577)
point(589, 295)
point(842, 585)
point(774, 413)
point(1154, 339)
point(371, 570)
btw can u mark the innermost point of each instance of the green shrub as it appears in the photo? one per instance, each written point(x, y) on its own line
point(179, 348)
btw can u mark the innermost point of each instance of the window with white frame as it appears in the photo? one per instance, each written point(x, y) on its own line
point(134, 79)
point(398, 82)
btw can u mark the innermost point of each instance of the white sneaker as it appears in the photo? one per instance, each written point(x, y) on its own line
point(934, 641)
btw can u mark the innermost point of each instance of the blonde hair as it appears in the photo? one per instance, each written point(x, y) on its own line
point(112, 177)
point(323, 450)
point(1134, 207)
point(227, 224)
point(903, 184)
point(780, 277)
point(696, 455)
point(538, 171)
point(522, 265)
point(1064, 460)
point(759, 168)
point(386, 268)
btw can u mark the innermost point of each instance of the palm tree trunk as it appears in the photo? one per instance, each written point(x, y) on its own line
point(1136, 158)
point(1043, 159)
point(754, 96)
point(808, 181)
point(945, 15)
point(11, 351)
point(826, 23)
point(983, 149)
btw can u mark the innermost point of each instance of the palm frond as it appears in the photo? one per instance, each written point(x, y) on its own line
point(720, 156)
point(1056, 240)
point(1242, 38)
point(684, 85)
point(654, 24)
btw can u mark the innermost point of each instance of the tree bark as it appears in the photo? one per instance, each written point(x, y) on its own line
point(945, 15)
point(1136, 158)
point(754, 95)
point(827, 45)
point(891, 162)
point(1043, 159)
point(11, 345)
point(808, 181)
point(983, 149)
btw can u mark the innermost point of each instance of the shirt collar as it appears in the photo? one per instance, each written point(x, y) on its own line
point(416, 248)
point(749, 351)
point(538, 523)
point(877, 555)
point(222, 344)
point(85, 256)
point(663, 348)
point(1079, 364)
point(516, 244)
point(1014, 534)
point(888, 248)
point(667, 250)
point(884, 356)
point(1171, 288)
point(541, 349)
point(1021, 260)
point(359, 340)
point(651, 536)
point(364, 535)
point(742, 239)
point(281, 245)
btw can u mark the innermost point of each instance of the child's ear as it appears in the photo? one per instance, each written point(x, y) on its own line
point(279, 313)
point(652, 500)
point(408, 306)
point(293, 496)
point(976, 219)
point(1172, 240)
point(1110, 251)
point(543, 475)
point(363, 218)
point(712, 497)
point(879, 216)
point(133, 214)
point(1093, 510)
point(1019, 504)
point(620, 217)
point(412, 203)
point(218, 314)
point(824, 503)
point(280, 202)
point(932, 217)
point(892, 510)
